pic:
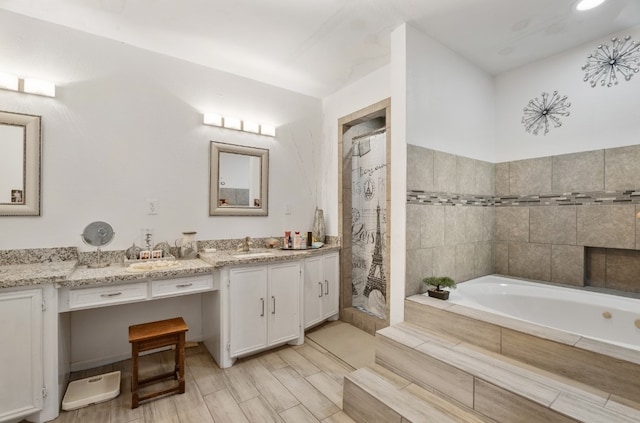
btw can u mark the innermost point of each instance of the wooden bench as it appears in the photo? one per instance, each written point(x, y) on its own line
point(150, 336)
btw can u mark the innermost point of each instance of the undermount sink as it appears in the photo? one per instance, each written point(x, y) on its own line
point(253, 255)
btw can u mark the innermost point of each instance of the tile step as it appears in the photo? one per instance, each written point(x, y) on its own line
point(490, 383)
point(610, 368)
point(370, 395)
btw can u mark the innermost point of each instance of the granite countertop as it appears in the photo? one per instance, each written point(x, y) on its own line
point(15, 275)
point(84, 276)
point(69, 274)
point(223, 258)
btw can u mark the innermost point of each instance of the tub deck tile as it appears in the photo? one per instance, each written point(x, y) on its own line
point(412, 335)
point(504, 406)
point(609, 374)
point(624, 406)
point(431, 302)
point(498, 320)
point(454, 325)
point(518, 325)
point(553, 381)
point(610, 350)
point(503, 388)
point(428, 371)
point(500, 374)
point(587, 412)
point(608, 368)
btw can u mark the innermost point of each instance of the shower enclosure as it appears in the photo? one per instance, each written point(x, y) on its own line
point(364, 199)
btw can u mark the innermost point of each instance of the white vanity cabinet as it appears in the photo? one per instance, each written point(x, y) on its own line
point(321, 285)
point(21, 356)
point(264, 306)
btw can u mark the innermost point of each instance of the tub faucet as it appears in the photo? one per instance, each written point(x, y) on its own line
point(246, 245)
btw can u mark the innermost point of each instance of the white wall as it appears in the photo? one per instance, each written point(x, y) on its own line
point(126, 126)
point(600, 117)
point(450, 102)
point(398, 248)
point(362, 93)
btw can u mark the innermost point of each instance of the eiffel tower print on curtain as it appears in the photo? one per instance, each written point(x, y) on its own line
point(376, 279)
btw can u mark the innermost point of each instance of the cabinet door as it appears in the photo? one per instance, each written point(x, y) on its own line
point(313, 291)
point(284, 302)
point(248, 308)
point(331, 284)
point(21, 360)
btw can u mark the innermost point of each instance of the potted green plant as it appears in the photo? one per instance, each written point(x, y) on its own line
point(439, 282)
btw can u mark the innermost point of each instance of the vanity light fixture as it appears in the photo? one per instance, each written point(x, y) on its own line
point(232, 123)
point(588, 4)
point(9, 82)
point(27, 85)
point(238, 124)
point(250, 127)
point(40, 87)
point(212, 119)
point(268, 130)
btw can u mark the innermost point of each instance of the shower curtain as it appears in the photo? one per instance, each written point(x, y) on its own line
point(368, 225)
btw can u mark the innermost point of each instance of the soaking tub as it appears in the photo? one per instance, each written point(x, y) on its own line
point(608, 318)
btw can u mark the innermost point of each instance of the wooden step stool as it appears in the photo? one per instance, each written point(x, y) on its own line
point(149, 336)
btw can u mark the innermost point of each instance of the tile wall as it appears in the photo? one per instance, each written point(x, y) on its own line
point(450, 217)
point(549, 209)
point(569, 219)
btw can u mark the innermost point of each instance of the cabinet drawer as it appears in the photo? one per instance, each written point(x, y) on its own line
point(173, 287)
point(104, 295)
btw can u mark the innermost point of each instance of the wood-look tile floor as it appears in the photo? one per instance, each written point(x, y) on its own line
point(290, 384)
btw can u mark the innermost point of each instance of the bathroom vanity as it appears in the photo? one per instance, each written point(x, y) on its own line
point(67, 319)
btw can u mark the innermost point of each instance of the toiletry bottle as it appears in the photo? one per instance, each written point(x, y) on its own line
point(287, 239)
point(296, 240)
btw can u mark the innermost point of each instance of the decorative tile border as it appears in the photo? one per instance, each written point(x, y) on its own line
point(564, 199)
point(445, 199)
point(571, 199)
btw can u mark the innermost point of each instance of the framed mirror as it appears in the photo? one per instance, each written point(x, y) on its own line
point(20, 140)
point(238, 180)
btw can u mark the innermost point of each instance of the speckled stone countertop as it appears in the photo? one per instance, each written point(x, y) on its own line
point(84, 276)
point(15, 275)
point(69, 274)
point(223, 258)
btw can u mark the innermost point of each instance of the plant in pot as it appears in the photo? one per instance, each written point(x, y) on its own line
point(439, 282)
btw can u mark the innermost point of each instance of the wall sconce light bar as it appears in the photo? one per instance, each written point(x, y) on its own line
point(250, 127)
point(268, 130)
point(9, 82)
point(238, 124)
point(27, 85)
point(232, 123)
point(39, 87)
point(212, 119)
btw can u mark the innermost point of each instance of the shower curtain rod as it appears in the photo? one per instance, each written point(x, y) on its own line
point(377, 131)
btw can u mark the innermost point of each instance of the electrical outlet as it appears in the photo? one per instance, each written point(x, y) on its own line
point(152, 206)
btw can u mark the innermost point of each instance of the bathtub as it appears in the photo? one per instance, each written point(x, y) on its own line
point(607, 318)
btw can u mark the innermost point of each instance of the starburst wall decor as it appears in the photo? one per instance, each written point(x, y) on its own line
point(539, 114)
point(607, 63)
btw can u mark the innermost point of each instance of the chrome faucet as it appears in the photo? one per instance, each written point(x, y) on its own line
point(246, 245)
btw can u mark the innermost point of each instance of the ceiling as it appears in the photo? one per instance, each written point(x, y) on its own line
point(315, 47)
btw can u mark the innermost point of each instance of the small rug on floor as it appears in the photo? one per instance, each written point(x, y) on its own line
point(348, 343)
